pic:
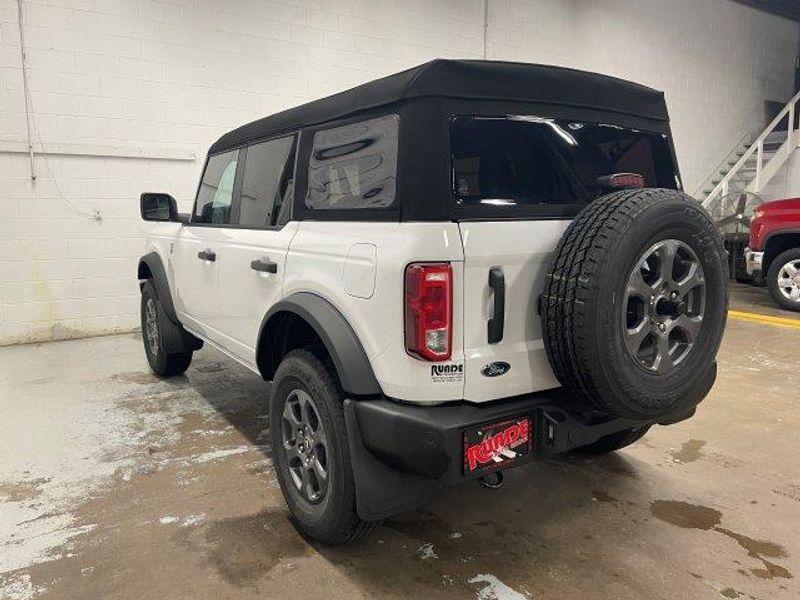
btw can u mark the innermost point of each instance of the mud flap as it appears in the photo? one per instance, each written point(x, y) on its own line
point(382, 490)
point(174, 338)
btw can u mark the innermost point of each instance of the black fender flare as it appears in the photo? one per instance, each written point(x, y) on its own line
point(175, 337)
point(349, 358)
point(770, 254)
point(152, 263)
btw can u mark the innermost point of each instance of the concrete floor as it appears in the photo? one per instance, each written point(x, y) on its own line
point(114, 484)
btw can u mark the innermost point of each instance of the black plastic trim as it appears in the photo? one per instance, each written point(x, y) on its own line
point(160, 282)
point(497, 283)
point(774, 234)
point(349, 358)
point(428, 440)
point(382, 490)
point(174, 337)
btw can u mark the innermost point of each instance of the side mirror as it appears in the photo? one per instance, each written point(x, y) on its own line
point(155, 206)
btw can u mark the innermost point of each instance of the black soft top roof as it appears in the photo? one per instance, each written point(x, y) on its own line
point(470, 79)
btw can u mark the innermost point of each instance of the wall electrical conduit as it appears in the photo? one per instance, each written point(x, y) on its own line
point(25, 90)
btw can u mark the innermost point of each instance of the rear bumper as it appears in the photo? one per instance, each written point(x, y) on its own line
point(429, 441)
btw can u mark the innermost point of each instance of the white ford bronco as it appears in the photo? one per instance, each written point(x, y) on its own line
point(444, 273)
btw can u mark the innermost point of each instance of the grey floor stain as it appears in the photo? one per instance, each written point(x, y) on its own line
point(212, 367)
point(694, 516)
point(603, 496)
point(244, 549)
point(139, 377)
point(689, 452)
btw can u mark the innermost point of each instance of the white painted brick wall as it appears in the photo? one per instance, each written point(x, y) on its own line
point(173, 75)
point(786, 183)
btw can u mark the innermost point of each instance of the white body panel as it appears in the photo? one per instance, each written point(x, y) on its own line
point(523, 250)
point(224, 301)
point(161, 240)
point(246, 295)
point(196, 281)
point(359, 268)
point(316, 264)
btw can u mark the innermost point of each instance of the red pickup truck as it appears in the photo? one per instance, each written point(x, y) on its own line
point(773, 254)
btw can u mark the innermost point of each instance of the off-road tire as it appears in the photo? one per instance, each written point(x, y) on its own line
point(161, 363)
point(772, 278)
point(615, 441)
point(582, 305)
point(334, 520)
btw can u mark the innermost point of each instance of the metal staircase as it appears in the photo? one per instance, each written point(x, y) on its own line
point(751, 165)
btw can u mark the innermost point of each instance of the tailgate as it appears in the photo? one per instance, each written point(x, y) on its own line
point(521, 251)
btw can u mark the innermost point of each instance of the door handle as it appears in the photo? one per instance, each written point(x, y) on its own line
point(208, 255)
point(264, 266)
point(497, 283)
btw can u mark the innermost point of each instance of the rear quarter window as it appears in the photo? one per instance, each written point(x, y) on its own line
point(354, 166)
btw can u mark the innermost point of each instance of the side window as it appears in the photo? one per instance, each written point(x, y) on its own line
point(216, 189)
point(354, 166)
point(268, 176)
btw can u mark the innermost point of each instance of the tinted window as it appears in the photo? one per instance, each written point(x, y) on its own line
point(216, 189)
point(354, 166)
point(268, 173)
point(522, 161)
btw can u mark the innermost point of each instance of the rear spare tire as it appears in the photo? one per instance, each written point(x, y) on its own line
point(635, 303)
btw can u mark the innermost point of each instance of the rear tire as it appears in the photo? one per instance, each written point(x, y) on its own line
point(635, 303)
point(307, 424)
point(615, 441)
point(778, 273)
point(152, 314)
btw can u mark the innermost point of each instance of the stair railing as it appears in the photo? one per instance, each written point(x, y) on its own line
point(723, 164)
point(763, 172)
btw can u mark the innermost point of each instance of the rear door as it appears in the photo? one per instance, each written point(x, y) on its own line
point(517, 183)
point(252, 255)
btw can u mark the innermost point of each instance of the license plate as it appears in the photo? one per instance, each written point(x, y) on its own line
point(496, 445)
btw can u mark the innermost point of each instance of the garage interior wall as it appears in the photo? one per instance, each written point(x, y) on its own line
point(786, 183)
point(126, 96)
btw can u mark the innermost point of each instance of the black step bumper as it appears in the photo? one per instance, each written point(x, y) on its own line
point(402, 453)
point(429, 440)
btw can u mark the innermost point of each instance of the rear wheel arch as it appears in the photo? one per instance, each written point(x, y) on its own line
point(305, 320)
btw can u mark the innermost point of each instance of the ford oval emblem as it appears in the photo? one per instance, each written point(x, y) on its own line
point(496, 369)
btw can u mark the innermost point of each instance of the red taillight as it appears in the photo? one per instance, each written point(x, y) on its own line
point(429, 310)
point(621, 181)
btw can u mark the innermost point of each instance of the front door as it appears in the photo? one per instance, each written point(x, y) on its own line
point(252, 257)
point(196, 250)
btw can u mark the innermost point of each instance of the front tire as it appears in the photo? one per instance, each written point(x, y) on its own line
point(312, 457)
point(783, 279)
point(152, 314)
